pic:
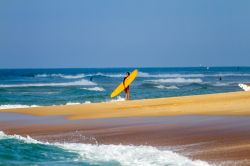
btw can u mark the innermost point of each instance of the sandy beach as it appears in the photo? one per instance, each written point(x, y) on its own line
point(214, 128)
point(227, 104)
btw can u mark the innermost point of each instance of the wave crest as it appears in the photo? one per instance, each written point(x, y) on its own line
point(77, 103)
point(98, 89)
point(177, 80)
point(13, 106)
point(166, 87)
point(81, 82)
point(62, 76)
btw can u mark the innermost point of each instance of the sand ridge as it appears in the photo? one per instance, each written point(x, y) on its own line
point(228, 104)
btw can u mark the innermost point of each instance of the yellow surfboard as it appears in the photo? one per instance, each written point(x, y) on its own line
point(127, 82)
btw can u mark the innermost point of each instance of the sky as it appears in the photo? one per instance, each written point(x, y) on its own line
point(130, 33)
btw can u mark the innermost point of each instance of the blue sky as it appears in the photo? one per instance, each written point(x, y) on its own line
point(114, 33)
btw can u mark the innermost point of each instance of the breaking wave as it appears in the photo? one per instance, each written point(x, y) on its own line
point(166, 87)
point(245, 87)
point(81, 82)
point(177, 80)
point(12, 106)
point(118, 98)
point(100, 89)
point(62, 76)
point(76, 103)
point(90, 154)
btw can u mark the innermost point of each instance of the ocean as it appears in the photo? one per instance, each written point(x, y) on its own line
point(21, 88)
point(44, 87)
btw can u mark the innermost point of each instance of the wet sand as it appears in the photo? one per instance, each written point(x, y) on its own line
point(216, 139)
point(214, 128)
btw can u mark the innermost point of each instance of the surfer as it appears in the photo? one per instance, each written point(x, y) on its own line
point(126, 90)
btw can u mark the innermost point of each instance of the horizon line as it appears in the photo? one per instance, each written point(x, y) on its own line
point(139, 67)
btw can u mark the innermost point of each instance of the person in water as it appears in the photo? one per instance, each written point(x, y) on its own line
point(126, 90)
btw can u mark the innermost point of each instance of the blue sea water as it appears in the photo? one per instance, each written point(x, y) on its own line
point(39, 87)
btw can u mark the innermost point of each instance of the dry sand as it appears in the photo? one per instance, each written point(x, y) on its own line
point(236, 103)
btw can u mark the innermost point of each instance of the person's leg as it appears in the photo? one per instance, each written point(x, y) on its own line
point(126, 94)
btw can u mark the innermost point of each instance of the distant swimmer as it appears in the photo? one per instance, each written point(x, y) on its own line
point(126, 90)
point(220, 78)
point(91, 78)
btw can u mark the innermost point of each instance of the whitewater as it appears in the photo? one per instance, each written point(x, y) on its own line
point(44, 153)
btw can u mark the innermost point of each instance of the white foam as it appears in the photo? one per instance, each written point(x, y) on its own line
point(125, 155)
point(76, 103)
point(166, 87)
point(142, 74)
point(27, 139)
point(62, 76)
point(114, 75)
point(42, 75)
point(100, 89)
point(245, 87)
point(10, 106)
point(177, 80)
point(118, 98)
point(14, 106)
point(221, 83)
point(72, 103)
point(81, 82)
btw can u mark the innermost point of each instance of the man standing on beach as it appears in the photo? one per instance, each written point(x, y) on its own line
point(126, 90)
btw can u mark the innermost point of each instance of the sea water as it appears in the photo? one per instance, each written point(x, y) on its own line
point(44, 87)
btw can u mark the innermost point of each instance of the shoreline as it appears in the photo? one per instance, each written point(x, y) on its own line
point(214, 139)
point(227, 104)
